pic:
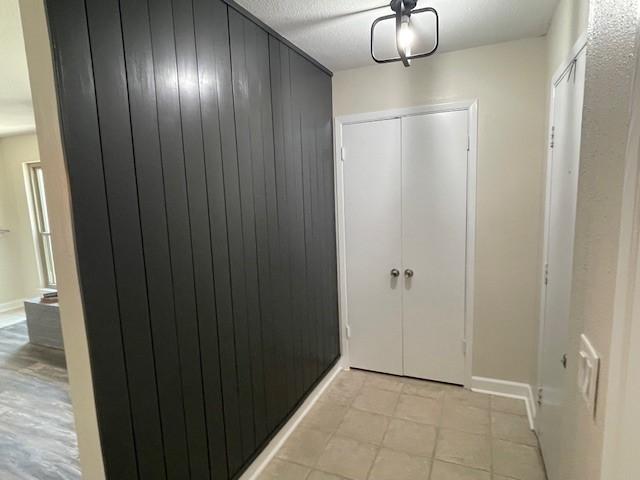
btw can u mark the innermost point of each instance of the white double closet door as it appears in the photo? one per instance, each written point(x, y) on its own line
point(405, 205)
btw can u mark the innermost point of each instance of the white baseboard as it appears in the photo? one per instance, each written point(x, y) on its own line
point(262, 460)
point(12, 305)
point(504, 388)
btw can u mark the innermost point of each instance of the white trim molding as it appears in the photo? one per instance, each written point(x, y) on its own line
point(470, 105)
point(505, 388)
point(260, 463)
point(12, 305)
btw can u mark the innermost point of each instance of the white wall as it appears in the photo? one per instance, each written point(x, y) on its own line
point(509, 80)
point(45, 105)
point(568, 24)
point(611, 48)
point(19, 273)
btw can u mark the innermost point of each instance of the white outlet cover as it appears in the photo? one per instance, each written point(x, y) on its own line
point(588, 373)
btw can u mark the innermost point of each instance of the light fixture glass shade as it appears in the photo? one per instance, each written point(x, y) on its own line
point(418, 36)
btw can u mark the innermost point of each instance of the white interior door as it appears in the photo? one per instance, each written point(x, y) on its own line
point(434, 226)
point(560, 231)
point(372, 204)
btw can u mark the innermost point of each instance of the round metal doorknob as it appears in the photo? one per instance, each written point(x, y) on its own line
point(408, 273)
point(395, 272)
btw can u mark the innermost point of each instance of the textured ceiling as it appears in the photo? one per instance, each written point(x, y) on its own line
point(16, 111)
point(336, 32)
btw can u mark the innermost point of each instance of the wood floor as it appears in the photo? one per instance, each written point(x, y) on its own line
point(37, 435)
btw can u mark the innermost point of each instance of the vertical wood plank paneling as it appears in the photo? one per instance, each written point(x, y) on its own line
point(212, 45)
point(296, 220)
point(265, 203)
point(307, 123)
point(178, 218)
point(153, 215)
point(299, 245)
point(81, 140)
point(120, 176)
point(280, 95)
point(201, 147)
point(206, 322)
point(244, 38)
point(238, 279)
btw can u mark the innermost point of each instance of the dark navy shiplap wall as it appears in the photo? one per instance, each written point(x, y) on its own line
point(199, 152)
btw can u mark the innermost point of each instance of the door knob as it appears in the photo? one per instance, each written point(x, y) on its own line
point(408, 273)
point(395, 273)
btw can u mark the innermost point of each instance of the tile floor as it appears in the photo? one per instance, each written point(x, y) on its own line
point(368, 426)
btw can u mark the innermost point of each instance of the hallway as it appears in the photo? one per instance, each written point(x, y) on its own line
point(369, 426)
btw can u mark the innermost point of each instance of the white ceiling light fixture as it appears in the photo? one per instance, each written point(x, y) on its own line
point(412, 29)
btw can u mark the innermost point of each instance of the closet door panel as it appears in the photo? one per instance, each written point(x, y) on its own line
point(372, 202)
point(434, 218)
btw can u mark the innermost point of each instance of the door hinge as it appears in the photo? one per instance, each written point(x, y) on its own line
point(468, 143)
point(343, 154)
point(539, 399)
point(348, 329)
point(553, 137)
point(546, 273)
point(464, 347)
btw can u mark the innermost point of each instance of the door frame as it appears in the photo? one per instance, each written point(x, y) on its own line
point(577, 48)
point(461, 105)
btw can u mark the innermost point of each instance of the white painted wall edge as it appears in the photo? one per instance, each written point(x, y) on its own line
point(12, 305)
point(505, 388)
point(262, 460)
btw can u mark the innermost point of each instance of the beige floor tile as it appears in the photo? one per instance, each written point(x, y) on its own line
point(282, 470)
point(419, 409)
point(463, 448)
point(318, 475)
point(464, 418)
point(514, 406)
point(466, 397)
point(344, 388)
point(353, 377)
point(424, 388)
point(392, 465)
point(450, 471)
point(363, 426)
point(375, 400)
point(340, 395)
point(410, 437)
point(304, 446)
point(521, 462)
point(513, 428)
point(384, 382)
point(325, 416)
point(347, 457)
